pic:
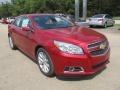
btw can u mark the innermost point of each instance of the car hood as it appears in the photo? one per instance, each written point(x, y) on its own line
point(77, 33)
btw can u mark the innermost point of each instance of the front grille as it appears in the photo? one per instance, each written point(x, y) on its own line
point(98, 48)
point(94, 44)
point(99, 52)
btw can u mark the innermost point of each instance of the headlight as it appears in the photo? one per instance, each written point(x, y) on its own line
point(68, 48)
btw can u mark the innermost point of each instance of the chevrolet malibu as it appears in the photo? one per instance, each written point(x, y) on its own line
point(59, 47)
point(104, 20)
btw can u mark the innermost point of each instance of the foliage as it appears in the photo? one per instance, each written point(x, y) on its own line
point(17, 7)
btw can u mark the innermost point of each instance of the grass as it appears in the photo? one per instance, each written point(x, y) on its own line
point(116, 18)
point(117, 25)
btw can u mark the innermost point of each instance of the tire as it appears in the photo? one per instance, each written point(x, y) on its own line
point(105, 25)
point(11, 43)
point(45, 63)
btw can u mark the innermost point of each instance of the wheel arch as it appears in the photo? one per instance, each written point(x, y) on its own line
point(37, 47)
point(52, 65)
point(9, 33)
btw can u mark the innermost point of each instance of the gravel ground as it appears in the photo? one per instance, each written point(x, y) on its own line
point(18, 72)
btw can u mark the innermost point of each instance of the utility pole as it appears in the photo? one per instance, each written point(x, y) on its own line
point(76, 10)
point(84, 9)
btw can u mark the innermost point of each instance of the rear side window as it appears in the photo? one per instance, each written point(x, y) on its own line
point(17, 21)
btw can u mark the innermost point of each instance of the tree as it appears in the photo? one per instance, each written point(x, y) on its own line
point(17, 7)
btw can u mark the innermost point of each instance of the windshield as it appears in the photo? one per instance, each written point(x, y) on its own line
point(51, 21)
point(98, 16)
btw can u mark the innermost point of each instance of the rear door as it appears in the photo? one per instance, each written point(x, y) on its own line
point(16, 32)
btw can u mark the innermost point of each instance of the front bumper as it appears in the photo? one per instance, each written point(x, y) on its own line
point(88, 64)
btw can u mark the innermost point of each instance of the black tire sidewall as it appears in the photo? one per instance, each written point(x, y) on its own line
point(105, 25)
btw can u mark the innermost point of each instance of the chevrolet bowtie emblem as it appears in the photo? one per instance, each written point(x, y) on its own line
point(103, 45)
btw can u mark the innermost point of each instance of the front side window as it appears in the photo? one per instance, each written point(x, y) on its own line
point(51, 21)
point(108, 16)
point(25, 22)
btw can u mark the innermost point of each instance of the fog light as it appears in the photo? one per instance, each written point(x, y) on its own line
point(73, 69)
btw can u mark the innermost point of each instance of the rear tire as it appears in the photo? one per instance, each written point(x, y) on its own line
point(45, 63)
point(11, 43)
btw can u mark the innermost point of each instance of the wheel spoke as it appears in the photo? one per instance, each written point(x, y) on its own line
point(40, 59)
point(47, 65)
point(42, 67)
point(45, 68)
point(10, 42)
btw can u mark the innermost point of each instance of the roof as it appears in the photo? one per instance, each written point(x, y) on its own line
point(35, 14)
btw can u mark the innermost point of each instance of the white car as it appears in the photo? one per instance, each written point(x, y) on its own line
point(104, 20)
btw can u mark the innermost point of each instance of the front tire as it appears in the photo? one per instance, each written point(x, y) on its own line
point(105, 25)
point(45, 63)
point(113, 23)
point(11, 43)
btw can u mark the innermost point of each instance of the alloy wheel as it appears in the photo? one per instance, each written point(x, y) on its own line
point(43, 62)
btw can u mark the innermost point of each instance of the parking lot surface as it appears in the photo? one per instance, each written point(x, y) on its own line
point(18, 72)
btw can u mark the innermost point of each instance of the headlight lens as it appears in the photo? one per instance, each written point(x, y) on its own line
point(68, 48)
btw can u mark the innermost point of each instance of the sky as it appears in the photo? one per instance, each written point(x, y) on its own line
point(4, 0)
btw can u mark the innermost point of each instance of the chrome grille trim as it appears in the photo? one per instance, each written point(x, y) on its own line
point(100, 51)
point(92, 45)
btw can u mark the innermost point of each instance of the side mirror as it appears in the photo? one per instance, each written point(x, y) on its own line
point(26, 28)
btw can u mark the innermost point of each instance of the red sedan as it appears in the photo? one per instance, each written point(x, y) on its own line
point(59, 47)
